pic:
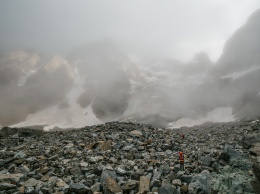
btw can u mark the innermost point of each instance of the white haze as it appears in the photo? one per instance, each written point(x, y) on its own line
point(145, 30)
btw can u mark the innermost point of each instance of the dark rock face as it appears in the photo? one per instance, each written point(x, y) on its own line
point(89, 160)
point(242, 49)
point(241, 53)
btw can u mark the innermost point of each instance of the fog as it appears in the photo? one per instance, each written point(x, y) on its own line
point(145, 29)
point(76, 63)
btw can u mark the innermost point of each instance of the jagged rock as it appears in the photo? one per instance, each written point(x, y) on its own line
point(20, 154)
point(176, 182)
point(105, 174)
point(184, 189)
point(144, 185)
point(168, 189)
point(155, 182)
point(79, 188)
point(30, 190)
point(95, 159)
point(16, 178)
point(228, 154)
point(249, 140)
point(206, 161)
point(31, 183)
point(76, 171)
point(255, 150)
point(110, 186)
point(231, 183)
point(129, 185)
point(136, 133)
point(6, 186)
point(106, 146)
point(201, 183)
point(60, 183)
point(256, 169)
point(95, 188)
point(186, 178)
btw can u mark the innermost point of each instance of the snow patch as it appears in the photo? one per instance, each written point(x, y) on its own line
point(221, 114)
point(72, 117)
point(239, 74)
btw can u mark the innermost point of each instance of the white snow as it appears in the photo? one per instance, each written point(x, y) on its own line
point(239, 74)
point(221, 114)
point(72, 117)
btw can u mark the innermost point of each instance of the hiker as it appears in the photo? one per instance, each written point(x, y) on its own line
point(181, 159)
point(182, 135)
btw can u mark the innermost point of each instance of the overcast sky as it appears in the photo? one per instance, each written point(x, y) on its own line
point(141, 28)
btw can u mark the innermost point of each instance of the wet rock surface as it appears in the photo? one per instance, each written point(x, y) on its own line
point(132, 158)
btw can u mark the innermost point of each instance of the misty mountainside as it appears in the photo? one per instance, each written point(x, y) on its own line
point(96, 83)
point(234, 80)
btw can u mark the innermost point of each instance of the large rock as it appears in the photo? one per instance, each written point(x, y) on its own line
point(228, 154)
point(110, 186)
point(201, 183)
point(144, 185)
point(256, 169)
point(6, 186)
point(105, 174)
point(249, 140)
point(11, 177)
point(79, 188)
point(231, 183)
point(168, 189)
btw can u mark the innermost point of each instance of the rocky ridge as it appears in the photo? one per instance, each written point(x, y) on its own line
point(132, 158)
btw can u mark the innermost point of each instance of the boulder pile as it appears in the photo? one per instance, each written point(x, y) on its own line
point(132, 158)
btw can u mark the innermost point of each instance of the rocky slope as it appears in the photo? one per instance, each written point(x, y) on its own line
point(132, 158)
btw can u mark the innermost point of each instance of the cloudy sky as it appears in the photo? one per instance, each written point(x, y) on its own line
point(141, 28)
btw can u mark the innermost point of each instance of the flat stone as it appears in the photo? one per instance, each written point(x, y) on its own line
point(79, 188)
point(11, 177)
point(6, 186)
point(31, 183)
point(144, 185)
point(136, 133)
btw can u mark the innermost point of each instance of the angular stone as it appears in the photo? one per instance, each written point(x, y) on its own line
point(129, 185)
point(79, 188)
point(144, 185)
point(96, 187)
point(176, 182)
point(60, 183)
point(6, 186)
point(11, 177)
point(136, 133)
point(95, 159)
point(76, 171)
point(20, 154)
point(206, 161)
point(30, 190)
point(105, 174)
point(106, 146)
point(186, 178)
point(184, 189)
point(31, 183)
point(110, 186)
point(168, 189)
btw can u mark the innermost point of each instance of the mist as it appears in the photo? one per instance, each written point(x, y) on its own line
point(71, 64)
point(143, 29)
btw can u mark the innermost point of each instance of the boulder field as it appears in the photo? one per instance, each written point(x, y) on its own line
point(132, 158)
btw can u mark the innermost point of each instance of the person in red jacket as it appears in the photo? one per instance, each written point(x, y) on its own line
point(181, 159)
